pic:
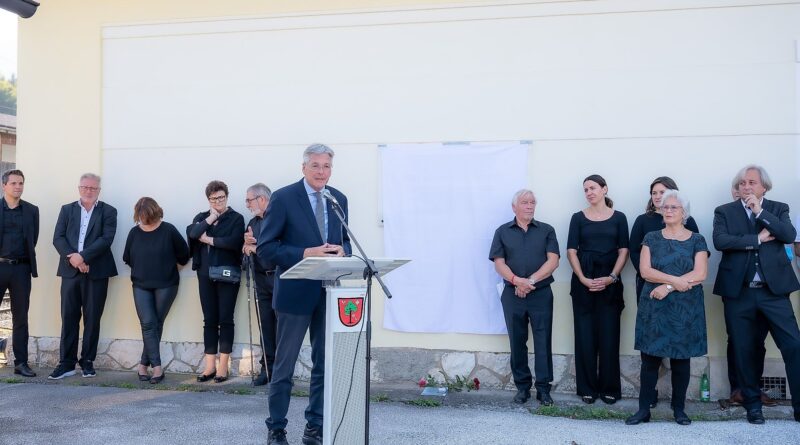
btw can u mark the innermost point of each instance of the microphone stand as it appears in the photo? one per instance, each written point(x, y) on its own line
point(370, 272)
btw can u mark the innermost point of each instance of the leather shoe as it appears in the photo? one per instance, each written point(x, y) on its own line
point(608, 400)
point(736, 398)
point(522, 396)
point(681, 418)
point(641, 416)
point(220, 378)
point(156, 379)
point(755, 416)
point(261, 380)
point(206, 377)
point(277, 437)
point(766, 400)
point(797, 416)
point(24, 370)
point(544, 398)
point(312, 435)
point(588, 399)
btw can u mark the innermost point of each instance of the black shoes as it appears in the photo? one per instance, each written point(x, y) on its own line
point(88, 369)
point(24, 370)
point(544, 398)
point(522, 396)
point(756, 417)
point(312, 435)
point(681, 418)
point(797, 416)
point(276, 437)
point(641, 416)
point(262, 379)
point(157, 378)
point(588, 399)
point(220, 378)
point(61, 371)
point(206, 377)
point(608, 400)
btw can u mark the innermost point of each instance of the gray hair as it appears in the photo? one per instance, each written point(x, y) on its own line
point(259, 189)
point(765, 179)
point(316, 149)
point(520, 194)
point(91, 176)
point(681, 198)
point(735, 183)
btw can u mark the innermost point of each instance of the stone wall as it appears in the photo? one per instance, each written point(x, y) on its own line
point(389, 365)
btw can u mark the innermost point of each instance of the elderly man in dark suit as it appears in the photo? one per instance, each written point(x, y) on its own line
point(300, 223)
point(755, 279)
point(19, 231)
point(84, 232)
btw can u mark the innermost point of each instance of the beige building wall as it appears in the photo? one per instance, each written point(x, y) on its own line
point(60, 136)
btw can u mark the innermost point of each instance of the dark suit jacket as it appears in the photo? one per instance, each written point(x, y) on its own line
point(97, 244)
point(30, 227)
point(228, 234)
point(732, 236)
point(289, 227)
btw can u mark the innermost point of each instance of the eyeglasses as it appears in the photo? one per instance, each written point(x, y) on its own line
point(84, 188)
point(248, 201)
point(217, 198)
point(671, 208)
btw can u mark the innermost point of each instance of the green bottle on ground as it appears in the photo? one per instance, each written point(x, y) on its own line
point(705, 389)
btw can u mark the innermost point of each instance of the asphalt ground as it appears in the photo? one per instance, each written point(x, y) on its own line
point(114, 408)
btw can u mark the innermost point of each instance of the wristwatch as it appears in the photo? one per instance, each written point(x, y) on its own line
point(614, 277)
point(670, 288)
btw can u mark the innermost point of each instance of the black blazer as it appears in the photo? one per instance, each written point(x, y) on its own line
point(228, 236)
point(289, 227)
point(30, 228)
point(97, 244)
point(733, 238)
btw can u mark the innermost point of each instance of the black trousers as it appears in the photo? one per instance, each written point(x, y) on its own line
point(762, 330)
point(81, 296)
point(218, 301)
point(742, 318)
point(16, 278)
point(535, 310)
point(649, 379)
point(269, 321)
point(597, 334)
point(152, 307)
point(291, 331)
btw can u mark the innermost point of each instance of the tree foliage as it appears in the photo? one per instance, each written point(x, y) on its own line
point(8, 95)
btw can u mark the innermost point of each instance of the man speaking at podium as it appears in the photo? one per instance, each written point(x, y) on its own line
point(300, 222)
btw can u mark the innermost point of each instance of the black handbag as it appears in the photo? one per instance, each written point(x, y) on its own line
point(225, 274)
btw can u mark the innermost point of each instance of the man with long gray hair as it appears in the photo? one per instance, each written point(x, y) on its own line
point(755, 279)
point(525, 253)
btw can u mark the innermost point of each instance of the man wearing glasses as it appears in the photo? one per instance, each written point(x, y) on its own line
point(84, 232)
point(257, 200)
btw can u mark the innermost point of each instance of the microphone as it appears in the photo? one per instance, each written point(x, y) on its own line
point(328, 195)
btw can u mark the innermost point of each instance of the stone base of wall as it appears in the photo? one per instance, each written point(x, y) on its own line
point(389, 365)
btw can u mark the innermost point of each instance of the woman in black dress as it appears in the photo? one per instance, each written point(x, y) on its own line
point(216, 237)
point(670, 322)
point(597, 248)
point(153, 250)
point(652, 220)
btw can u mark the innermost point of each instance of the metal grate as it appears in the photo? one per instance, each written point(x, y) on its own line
point(775, 387)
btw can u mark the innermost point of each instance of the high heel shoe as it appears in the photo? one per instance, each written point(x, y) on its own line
point(681, 418)
point(206, 377)
point(157, 379)
point(143, 377)
point(220, 378)
point(641, 416)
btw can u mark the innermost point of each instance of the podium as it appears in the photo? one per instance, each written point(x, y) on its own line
point(347, 343)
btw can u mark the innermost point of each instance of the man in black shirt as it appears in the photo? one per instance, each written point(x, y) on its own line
point(257, 201)
point(19, 231)
point(525, 253)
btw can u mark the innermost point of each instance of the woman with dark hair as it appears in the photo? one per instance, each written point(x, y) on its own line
point(216, 237)
point(597, 248)
point(650, 221)
point(153, 250)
